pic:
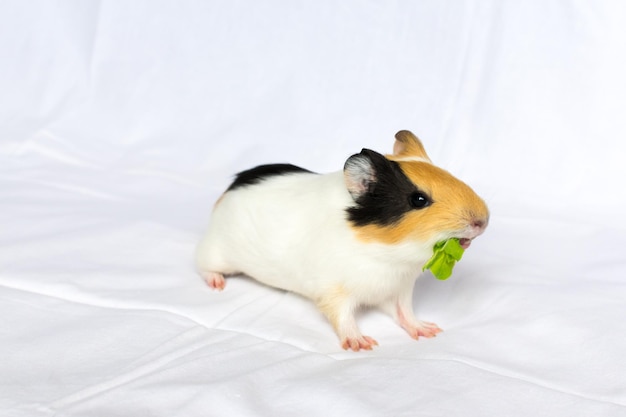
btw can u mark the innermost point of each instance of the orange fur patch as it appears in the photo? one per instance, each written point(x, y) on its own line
point(455, 207)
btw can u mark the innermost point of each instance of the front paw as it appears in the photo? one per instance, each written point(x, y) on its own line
point(422, 328)
point(358, 343)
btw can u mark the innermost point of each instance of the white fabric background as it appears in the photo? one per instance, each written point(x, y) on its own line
point(122, 122)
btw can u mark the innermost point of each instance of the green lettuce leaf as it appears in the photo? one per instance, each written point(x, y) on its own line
point(445, 255)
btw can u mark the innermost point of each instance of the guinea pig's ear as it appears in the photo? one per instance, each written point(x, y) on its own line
point(407, 145)
point(360, 172)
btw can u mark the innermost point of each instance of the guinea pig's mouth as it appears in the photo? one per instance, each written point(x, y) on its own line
point(465, 242)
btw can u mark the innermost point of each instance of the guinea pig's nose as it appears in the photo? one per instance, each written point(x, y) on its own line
point(478, 223)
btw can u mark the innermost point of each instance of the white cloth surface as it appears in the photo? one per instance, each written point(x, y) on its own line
point(122, 122)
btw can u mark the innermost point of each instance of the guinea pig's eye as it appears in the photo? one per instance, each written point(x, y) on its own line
point(419, 200)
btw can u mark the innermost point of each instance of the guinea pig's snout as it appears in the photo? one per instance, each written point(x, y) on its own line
point(477, 226)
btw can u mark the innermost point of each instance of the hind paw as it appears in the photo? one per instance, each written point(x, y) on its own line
point(215, 280)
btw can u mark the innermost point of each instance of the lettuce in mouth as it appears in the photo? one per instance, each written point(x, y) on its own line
point(445, 255)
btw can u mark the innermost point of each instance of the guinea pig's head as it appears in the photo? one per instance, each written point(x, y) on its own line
point(404, 197)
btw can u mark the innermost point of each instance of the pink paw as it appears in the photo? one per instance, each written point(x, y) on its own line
point(357, 343)
point(423, 328)
point(215, 280)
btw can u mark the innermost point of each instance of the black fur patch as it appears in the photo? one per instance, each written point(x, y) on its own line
point(258, 174)
point(387, 199)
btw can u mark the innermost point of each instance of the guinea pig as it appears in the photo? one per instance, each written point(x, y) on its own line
point(349, 239)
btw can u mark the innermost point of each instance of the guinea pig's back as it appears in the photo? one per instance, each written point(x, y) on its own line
point(265, 230)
